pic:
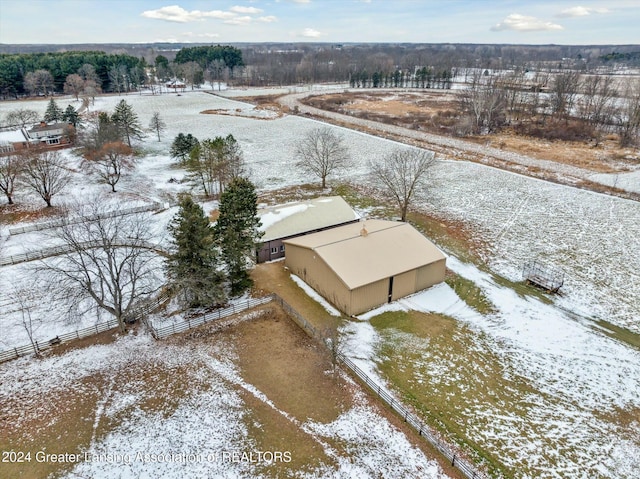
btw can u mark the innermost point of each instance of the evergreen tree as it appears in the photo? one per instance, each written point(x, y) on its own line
point(127, 121)
point(182, 146)
point(53, 113)
point(70, 115)
point(192, 268)
point(237, 231)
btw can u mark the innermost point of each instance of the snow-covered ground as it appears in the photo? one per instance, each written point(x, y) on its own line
point(205, 434)
point(594, 238)
point(577, 379)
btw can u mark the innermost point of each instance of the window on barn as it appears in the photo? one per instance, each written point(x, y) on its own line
point(274, 249)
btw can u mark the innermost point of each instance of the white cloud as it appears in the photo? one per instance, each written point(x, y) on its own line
point(268, 19)
point(311, 33)
point(175, 13)
point(522, 23)
point(246, 10)
point(580, 11)
point(238, 20)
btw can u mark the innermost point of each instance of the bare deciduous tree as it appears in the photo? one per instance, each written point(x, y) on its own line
point(39, 82)
point(24, 298)
point(22, 117)
point(322, 152)
point(46, 174)
point(11, 167)
point(628, 115)
point(214, 163)
point(401, 173)
point(110, 162)
point(563, 93)
point(109, 265)
point(73, 85)
point(157, 124)
point(484, 100)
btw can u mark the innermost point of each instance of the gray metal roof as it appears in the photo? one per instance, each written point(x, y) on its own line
point(292, 219)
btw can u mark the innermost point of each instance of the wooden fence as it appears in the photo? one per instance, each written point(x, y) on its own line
point(466, 467)
point(64, 249)
point(57, 223)
point(174, 328)
point(144, 308)
point(40, 346)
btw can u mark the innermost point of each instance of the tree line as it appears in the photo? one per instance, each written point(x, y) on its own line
point(568, 105)
point(23, 73)
point(421, 78)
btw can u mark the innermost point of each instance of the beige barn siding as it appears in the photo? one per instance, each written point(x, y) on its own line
point(430, 274)
point(306, 264)
point(404, 284)
point(369, 296)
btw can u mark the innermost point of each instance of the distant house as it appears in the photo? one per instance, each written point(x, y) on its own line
point(358, 267)
point(48, 136)
point(176, 85)
point(14, 140)
point(295, 219)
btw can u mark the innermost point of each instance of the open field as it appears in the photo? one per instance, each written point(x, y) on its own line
point(526, 375)
point(430, 110)
point(258, 387)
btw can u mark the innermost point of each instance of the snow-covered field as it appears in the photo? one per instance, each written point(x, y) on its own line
point(576, 379)
point(594, 238)
point(206, 433)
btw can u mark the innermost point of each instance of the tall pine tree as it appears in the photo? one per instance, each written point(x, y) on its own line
point(127, 122)
point(193, 267)
point(53, 112)
point(237, 231)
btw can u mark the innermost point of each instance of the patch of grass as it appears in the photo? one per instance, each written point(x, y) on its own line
point(619, 333)
point(359, 198)
point(290, 194)
point(470, 293)
point(63, 424)
point(423, 325)
point(522, 289)
point(449, 375)
point(278, 357)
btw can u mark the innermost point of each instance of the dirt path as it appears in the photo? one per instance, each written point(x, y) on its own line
point(457, 149)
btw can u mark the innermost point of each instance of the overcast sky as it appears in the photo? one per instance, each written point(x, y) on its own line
point(218, 21)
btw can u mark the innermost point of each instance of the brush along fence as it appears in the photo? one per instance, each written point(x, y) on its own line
point(190, 323)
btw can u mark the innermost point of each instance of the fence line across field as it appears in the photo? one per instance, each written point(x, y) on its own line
point(39, 346)
point(462, 464)
point(63, 249)
point(56, 223)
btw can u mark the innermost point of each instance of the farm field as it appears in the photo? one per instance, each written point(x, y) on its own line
point(531, 376)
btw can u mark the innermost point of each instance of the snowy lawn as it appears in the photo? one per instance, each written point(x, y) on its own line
point(184, 407)
point(527, 386)
point(593, 237)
